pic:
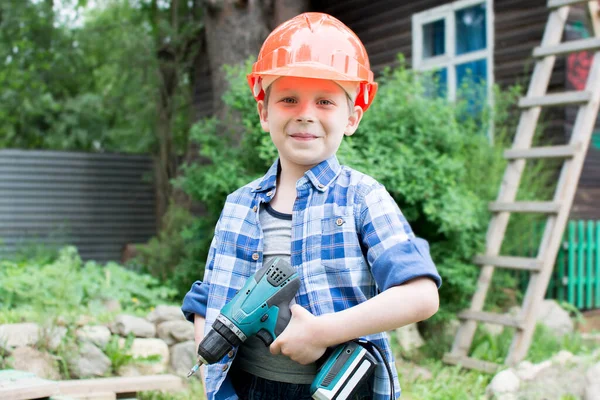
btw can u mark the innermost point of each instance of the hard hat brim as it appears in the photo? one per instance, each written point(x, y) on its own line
point(310, 70)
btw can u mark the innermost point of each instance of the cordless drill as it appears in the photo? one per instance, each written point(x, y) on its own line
point(261, 308)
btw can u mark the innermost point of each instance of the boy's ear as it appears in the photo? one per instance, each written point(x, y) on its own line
point(353, 121)
point(262, 113)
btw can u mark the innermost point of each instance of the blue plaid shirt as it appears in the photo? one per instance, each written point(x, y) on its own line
point(349, 241)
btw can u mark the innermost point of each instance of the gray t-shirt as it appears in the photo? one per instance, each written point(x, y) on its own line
point(253, 356)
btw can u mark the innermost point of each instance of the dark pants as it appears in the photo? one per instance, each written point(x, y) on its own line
point(251, 387)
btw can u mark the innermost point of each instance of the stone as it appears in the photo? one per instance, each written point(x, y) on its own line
point(97, 334)
point(506, 396)
point(43, 365)
point(164, 313)
point(52, 336)
point(555, 318)
point(527, 371)
point(563, 357)
point(183, 357)
point(129, 370)
point(409, 337)
point(505, 382)
point(89, 362)
point(19, 335)
point(129, 324)
point(175, 331)
point(557, 381)
point(592, 383)
point(147, 347)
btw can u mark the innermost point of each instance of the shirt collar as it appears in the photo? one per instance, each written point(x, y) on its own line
point(321, 175)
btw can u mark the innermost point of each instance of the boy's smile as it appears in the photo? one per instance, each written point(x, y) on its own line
point(307, 119)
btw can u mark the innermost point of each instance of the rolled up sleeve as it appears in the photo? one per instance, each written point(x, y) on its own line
point(195, 301)
point(394, 253)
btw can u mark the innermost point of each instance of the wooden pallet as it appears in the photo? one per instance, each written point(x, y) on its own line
point(19, 385)
point(557, 210)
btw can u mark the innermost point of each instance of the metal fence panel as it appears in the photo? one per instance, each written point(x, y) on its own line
point(576, 276)
point(97, 202)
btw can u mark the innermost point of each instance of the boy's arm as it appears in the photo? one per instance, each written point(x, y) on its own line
point(403, 270)
point(307, 337)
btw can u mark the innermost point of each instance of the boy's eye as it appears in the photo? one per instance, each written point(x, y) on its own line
point(325, 102)
point(288, 100)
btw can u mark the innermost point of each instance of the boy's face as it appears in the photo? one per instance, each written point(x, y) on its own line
point(307, 119)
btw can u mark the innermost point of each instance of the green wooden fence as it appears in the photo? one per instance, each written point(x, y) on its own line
point(576, 275)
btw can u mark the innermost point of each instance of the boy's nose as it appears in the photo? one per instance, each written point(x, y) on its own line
point(304, 118)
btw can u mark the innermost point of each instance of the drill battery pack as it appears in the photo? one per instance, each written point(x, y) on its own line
point(349, 366)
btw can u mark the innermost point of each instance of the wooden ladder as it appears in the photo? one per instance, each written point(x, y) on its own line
point(557, 210)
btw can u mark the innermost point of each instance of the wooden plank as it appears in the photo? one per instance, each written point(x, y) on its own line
point(517, 263)
point(94, 396)
point(544, 207)
point(27, 388)
point(493, 318)
point(471, 363)
point(556, 99)
point(541, 152)
point(562, 3)
point(120, 385)
point(589, 44)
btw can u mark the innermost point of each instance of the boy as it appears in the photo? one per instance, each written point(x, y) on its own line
point(362, 270)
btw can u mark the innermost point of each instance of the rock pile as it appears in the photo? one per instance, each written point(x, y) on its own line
point(163, 342)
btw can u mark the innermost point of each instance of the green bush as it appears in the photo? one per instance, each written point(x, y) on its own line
point(162, 255)
point(68, 287)
point(433, 157)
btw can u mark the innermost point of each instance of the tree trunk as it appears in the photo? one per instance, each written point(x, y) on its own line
point(287, 9)
point(235, 31)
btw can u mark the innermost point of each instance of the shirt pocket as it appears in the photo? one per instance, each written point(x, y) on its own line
point(340, 246)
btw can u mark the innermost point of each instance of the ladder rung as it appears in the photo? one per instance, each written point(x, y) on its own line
point(482, 316)
point(471, 363)
point(526, 207)
point(523, 263)
point(561, 3)
point(541, 152)
point(556, 99)
point(568, 47)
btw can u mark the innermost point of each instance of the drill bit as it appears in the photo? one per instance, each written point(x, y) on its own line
point(193, 370)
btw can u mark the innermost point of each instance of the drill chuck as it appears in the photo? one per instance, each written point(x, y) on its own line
point(217, 343)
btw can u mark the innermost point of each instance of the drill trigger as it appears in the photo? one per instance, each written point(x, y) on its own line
point(265, 336)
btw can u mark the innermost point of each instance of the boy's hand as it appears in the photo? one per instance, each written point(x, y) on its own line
point(300, 340)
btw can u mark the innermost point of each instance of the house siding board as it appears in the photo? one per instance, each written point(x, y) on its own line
point(97, 202)
point(384, 27)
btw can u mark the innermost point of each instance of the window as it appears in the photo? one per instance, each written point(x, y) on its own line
point(456, 41)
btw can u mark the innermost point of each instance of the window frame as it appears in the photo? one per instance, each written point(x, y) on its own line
point(450, 60)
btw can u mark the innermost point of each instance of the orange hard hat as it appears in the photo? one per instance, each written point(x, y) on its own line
point(315, 45)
